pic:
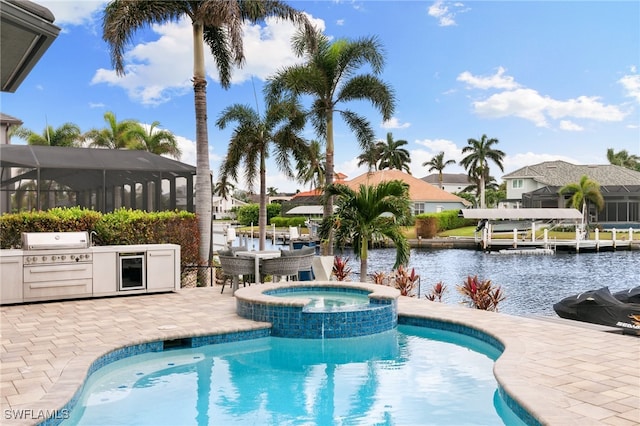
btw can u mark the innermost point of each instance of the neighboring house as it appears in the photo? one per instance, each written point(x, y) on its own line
point(538, 186)
point(6, 123)
point(451, 182)
point(426, 198)
point(221, 207)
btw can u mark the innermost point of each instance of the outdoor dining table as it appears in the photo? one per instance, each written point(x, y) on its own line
point(257, 255)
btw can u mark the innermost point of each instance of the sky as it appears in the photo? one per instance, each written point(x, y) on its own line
point(551, 80)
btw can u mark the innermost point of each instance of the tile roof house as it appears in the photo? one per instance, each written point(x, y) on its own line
point(426, 198)
point(451, 182)
point(538, 185)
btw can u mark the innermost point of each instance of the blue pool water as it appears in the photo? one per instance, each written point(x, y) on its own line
point(410, 375)
point(327, 299)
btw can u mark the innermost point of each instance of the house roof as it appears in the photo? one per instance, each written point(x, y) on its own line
point(7, 119)
point(448, 179)
point(88, 168)
point(560, 173)
point(515, 214)
point(419, 190)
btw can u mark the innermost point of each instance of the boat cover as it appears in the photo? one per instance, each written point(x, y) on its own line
point(600, 307)
point(628, 296)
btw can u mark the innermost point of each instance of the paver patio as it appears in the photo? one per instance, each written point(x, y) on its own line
point(562, 374)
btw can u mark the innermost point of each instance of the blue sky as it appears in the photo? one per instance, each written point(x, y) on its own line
point(549, 80)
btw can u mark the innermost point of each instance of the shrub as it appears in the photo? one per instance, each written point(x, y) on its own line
point(340, 269)
point(283, 222)
point(249, 214)
point(436, 293)
point(446, 220)
point(405, 282)
point(481, 294)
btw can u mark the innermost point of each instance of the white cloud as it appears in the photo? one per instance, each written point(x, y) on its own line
point(496, 81)
point(160, 69)
point(73, 12)
point(446, 13)
point(631, 84)
point(394, 123)
point(340, 22)
point(434, 147)
point(530, 105)
point(570, 126)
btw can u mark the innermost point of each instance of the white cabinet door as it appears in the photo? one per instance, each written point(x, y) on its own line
point(11, 290)
point(105, 277)
point(161, 270)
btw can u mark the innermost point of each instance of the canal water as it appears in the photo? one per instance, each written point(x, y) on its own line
point(531, 283)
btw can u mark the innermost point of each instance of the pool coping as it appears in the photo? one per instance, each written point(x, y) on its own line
point(562, 374)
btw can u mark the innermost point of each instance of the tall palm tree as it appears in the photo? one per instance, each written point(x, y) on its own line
point(393, 156)
point(330, 77)
point(156, 141)
point(624, 159)
point(363, 215)
point(117, 134)
point(68, 135)
point(438, 163)
point(251, 142)
point(311, 167)
point(218, 24)
point(582, 193)
point(477, 161)
point(223, 188)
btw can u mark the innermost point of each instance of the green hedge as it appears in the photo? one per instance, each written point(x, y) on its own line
point(283, 222)
point(446, 220)
point(123, 226)
point(246, 215)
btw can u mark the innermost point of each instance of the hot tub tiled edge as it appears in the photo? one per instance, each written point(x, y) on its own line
point(289, 319)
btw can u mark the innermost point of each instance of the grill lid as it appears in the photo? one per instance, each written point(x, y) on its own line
point(55, 240)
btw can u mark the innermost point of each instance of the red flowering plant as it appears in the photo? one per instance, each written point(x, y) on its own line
point(437, 291)
point(481, 294)
point(340, 268)
point(406, 282)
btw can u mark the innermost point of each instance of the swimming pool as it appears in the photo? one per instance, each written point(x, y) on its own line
point(326, 300)
point(409, 375)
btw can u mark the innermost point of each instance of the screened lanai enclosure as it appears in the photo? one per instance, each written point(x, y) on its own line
point(43, 177)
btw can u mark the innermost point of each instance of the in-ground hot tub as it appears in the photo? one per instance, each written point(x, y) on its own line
point(321, 309)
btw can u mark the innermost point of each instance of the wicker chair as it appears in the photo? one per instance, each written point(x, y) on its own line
point(280, 267)
point(306, 260)
point(235, 266)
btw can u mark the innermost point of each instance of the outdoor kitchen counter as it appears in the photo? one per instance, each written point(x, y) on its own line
point(132, 248)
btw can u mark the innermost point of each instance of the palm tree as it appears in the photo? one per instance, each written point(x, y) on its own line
point(329, 76)
point(250, 143)
point(218, 24)
point(622, 158)
point(117, 134)
point(311, 167)
point(223, 188)
point(438, 163)
point(272, 191)
point(156, 141)
point(363, 215)
point(393, 156)
point(371, 156)
point(68, 135)
point(582, 193)
point(477, 161)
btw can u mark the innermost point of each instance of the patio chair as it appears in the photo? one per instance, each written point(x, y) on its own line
point(286, 266)
point(236, 266)
point(306, 262)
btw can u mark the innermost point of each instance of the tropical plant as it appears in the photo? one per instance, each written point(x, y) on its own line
point(436, 292)
point(341, 270)
point(477, 161)
point(272, 191)
point(405, 281)
point(379, 277)
point(624, 159)
point(251, 142)
point(68, 134)
point(371, 212)
point(223, 188)
point(438, 163)
point(218, 24)
point(393, 156)
point(311, 166)
point(481, 294)
point(582, 193)
point(329, 77)
point(370, 156)
point(117, 134)
point(156, 141)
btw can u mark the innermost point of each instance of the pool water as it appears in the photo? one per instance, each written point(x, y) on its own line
point(410, 375)
point(327, 300)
